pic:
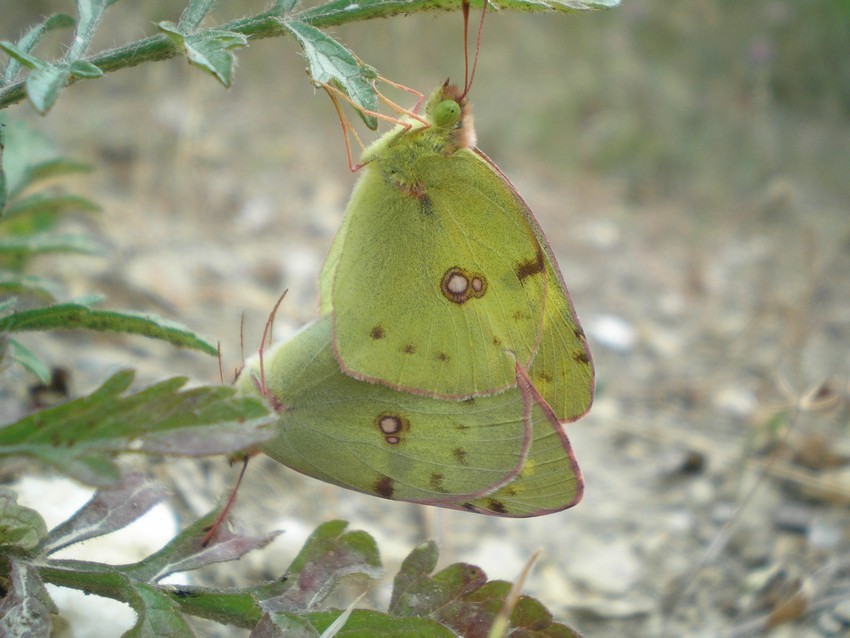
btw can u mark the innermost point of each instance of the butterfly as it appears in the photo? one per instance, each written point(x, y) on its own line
point(503, 454)
point(440, 282)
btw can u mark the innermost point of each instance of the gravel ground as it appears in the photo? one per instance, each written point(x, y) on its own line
point(716, 457)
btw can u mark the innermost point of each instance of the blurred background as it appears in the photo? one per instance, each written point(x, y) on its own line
point(690, 163)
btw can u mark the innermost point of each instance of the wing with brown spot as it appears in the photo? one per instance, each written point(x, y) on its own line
point(375, 440)
point(550, 479)
point(562, 370)
point(456, 287)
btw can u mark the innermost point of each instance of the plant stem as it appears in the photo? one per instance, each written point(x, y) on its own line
point(261, 25)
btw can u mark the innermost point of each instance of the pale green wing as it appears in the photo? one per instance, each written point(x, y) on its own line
point(550, 479)
point(372, 439)
point(437, 283)
point(326, 277)
point(562, 370)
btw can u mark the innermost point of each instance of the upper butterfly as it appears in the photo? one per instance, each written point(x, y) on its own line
point(441, 281)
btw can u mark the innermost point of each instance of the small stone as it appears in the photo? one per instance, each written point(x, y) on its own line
point(606, 567)
point(613, 332)
point(842, 612)
point(829, 625)
point(736, 401)
point(601, 233)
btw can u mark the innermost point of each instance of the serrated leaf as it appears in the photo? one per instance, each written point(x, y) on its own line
point(32, 37)
point(185, 552)
point(107, 511)
point(69, 316)
point(29, 360)
point(329, 555)
point(80, 437)
point(85, 70)
point(331, 63)
point(26, 607)
point(461, 598)
point(44, 84)
point(49, 243)
point(21, 528)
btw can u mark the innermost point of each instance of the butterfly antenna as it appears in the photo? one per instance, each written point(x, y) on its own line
point(470, 76)
point(231, 500)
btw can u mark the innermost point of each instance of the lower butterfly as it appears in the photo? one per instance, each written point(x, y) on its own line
point(504, 454)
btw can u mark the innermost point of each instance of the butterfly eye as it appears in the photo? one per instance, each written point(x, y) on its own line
point(447, 113)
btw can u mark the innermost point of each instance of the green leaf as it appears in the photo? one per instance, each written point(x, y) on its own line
point(76, 315)
point(8, 305)
point(364, 623)
point(282, 8)
point(26, 607)
point(85, 70)
point(28, 359)
point(55, 167)
point(208, 50)
point(461, 598)
point(40, 212)
point(329, 554)
point(32, 37)
point(4, 121)
point(89, 13)
point(158, 615)
point(80, 437)
point(22, 56)
point(173, 32)
point(21, 528)
point(17, 284)
point(194, 13)
point(331, 63)
point(186, 553)
point(49, 243)
point(25, 148)
point(44, 84)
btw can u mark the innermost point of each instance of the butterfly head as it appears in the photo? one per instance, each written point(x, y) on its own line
point(449, 110)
